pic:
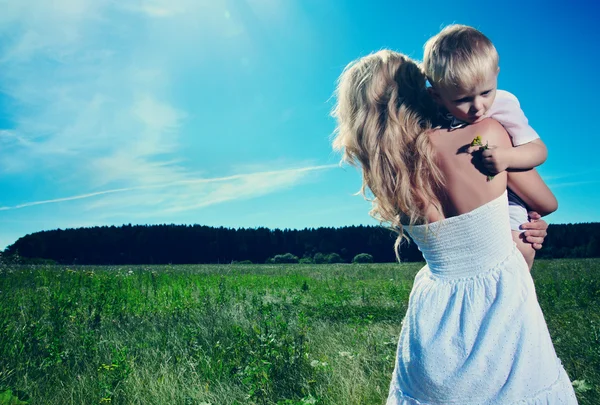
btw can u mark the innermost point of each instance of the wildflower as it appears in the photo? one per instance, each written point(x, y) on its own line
point(478, 142)
point(317, 363)
point(346, 354)
point(581, 386)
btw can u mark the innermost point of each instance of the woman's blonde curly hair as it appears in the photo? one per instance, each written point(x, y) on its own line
point(384, 114)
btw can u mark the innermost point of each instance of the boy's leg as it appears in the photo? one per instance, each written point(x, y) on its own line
point(518, 216)
point(524, 247)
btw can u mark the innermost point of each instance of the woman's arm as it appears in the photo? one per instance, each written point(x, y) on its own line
point(530, 187)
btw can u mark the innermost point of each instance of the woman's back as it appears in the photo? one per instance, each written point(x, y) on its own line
point(471, 234)
point(466, 187)
point(473, 331)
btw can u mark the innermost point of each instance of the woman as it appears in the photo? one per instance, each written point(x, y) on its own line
point(473, 332)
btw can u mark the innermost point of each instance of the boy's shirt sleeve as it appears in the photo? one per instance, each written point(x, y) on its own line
point(507, 111)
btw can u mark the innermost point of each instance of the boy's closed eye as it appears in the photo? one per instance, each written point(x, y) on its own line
point(467, 99)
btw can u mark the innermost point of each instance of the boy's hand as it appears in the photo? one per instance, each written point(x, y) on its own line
point(495, 159)
point(535, 230)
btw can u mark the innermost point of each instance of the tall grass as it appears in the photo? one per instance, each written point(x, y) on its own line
point(241, 334)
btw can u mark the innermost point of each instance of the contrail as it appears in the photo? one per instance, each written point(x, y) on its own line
point(179, 182)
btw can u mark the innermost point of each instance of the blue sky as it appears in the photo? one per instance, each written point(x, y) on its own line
point(216, 112)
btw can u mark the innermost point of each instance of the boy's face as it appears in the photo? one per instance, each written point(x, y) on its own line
point(469, 105)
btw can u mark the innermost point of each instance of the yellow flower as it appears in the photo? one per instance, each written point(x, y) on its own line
point(476, 141)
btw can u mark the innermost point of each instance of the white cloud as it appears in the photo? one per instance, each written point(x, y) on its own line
point(573, 183)
point(49, 28)
point(164, 8)
point(90, 87)
point(580, 174)
point(188, 194)
point(79, 99)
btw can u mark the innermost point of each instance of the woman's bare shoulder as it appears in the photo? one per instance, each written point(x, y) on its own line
point(492, 132)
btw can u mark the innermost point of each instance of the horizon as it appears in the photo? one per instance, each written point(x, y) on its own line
point(217, 113)
point(256, 227)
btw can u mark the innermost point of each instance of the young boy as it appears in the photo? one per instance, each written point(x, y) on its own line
point(461, 65)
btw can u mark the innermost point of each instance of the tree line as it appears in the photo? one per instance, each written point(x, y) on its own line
point(190, 244)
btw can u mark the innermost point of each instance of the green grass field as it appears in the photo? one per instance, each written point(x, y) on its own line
point(241, 334)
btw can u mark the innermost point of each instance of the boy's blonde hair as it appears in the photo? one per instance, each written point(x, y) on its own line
point(459, 57)
point(383, 114)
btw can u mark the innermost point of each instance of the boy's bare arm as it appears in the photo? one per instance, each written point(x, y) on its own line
point(526, 248)
point(526, 156)
point(529, 155)
point(530, 187)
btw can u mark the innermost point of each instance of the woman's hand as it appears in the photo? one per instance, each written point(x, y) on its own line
point(535, 230)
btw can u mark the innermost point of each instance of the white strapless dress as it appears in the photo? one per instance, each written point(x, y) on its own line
point(474, 332)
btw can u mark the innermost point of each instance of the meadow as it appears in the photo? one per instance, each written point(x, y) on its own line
point(241, 334)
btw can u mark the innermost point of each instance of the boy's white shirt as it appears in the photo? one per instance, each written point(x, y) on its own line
point(507, 111)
